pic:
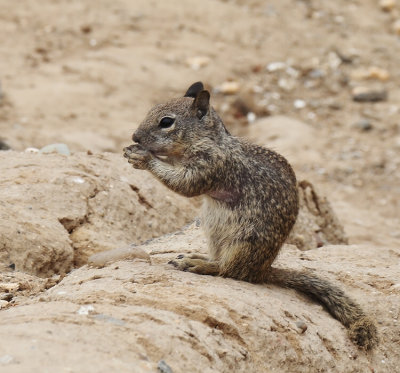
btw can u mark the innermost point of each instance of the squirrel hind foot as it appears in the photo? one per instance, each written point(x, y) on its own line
point(363, 332)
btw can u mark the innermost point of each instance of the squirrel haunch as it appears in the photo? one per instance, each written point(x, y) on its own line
point(250, 201)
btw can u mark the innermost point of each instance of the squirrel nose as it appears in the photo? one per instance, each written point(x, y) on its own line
point(136, 138)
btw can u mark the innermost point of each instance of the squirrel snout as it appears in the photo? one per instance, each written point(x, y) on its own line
point(136, 138)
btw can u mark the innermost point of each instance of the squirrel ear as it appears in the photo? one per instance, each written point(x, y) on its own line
point(194, 89)
point(201, 104)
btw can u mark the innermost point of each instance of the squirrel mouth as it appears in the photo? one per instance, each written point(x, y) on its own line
point(158, 154)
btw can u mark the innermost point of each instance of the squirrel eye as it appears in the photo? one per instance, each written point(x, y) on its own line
point(166, 122)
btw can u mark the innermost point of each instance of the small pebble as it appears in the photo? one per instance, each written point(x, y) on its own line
point(3, 303)
point(396, 27)
point(228, 88)
point(387, 5)
point(334, 60)
point(372, 72)
point(299, 104)
point(363, 125)
point(378, 73)
point(3, 145)
point(86, 29)
point(251, 117)
point(316, 74)
point(302, 326)
point(363, 94)
point(292, 72)
point(198, 62)
point(31, 150)
point(275, 66)
point(6, 296)
point(77, 180)
point(6, 359)
point(9, 287)
point(85, 310)
point(55, 148)
point(335, 105)
point(163, 367)
point(287, 84)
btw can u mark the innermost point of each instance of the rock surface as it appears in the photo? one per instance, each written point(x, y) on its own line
point(56, 211)
point(135, 314)
point(317, 224)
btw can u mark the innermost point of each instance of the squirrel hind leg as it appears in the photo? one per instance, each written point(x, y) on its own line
point(363, 332)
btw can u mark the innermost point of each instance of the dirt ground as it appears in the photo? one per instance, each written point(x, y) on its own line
point(85, 73)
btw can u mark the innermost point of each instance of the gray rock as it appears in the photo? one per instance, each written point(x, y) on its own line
point(163, 367)
point(363, 125)
point(6, 296)
point(302, 326)
point(370, 95)
point(6, 359)
point(55, 148)
point(3, 145)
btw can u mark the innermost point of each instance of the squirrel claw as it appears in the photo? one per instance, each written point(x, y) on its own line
point(181, 263)
point(137, 156)
point(178, 265)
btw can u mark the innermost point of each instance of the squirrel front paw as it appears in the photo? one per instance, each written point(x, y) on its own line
point(137, 156)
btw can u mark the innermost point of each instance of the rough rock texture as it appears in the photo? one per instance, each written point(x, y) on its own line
point(316, 225)
point(16, 286)
point(55, 211)
point(130, 315)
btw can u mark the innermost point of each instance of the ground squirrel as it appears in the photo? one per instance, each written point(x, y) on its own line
point(250, 201)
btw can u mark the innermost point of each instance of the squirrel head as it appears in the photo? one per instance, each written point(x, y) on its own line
point(181, 125)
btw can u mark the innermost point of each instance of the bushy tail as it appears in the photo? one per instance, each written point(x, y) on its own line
point(361, 328)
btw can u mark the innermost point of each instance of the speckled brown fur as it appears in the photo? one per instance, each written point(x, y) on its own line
point(250, 200)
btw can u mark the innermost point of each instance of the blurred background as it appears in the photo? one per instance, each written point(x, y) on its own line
point(315, 80)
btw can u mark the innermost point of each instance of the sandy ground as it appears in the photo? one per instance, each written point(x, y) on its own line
point(85, 74)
